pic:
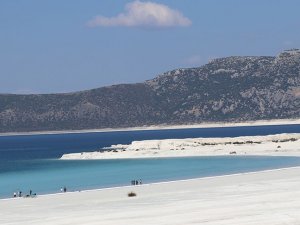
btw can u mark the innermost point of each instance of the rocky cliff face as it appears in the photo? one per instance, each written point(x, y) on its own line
point(226, 89)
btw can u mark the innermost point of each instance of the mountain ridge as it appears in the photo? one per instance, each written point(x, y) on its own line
point(230, 89)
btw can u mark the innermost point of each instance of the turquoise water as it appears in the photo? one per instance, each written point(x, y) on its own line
point(48, 176)
point(29, 162)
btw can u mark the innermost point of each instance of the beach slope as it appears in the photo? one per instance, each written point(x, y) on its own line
point(269, 198)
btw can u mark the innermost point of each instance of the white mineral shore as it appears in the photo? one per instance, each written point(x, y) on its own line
point(268, 198)
point(275, 145)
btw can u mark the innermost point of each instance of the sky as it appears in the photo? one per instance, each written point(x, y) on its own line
point(55, 46)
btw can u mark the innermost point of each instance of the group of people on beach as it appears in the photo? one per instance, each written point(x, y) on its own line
point(64, 189)
point(19, 194)
point(136, 182)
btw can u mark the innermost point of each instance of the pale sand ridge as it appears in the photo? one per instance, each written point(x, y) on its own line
point(276, 145)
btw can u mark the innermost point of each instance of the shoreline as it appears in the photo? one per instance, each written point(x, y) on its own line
point(157, 183)
point(162, 127)
point(246, 198)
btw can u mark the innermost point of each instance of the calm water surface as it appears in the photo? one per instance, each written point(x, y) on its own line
point(48, 176)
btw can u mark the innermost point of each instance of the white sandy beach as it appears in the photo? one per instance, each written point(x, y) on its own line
point(266, 198)
point(275, 145)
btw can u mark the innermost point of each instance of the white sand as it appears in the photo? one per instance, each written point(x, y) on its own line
point(165, 126)
point(276, 145)
point(262, 198)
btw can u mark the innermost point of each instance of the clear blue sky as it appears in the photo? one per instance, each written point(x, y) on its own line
point(61, 45)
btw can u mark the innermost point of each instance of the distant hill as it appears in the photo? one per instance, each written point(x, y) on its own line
point(231, 89)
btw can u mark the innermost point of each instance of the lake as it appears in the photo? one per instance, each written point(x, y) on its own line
point(31, 161)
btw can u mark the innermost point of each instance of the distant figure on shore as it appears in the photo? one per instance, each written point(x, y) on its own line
point(65, 189)
point(20, 193)
point(136, 182)
point(15, 194)
point(30, 192)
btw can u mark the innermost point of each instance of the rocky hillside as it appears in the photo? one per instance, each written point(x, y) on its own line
point(226, 89)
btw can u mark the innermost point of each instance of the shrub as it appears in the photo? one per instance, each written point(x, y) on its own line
point(131, 194)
